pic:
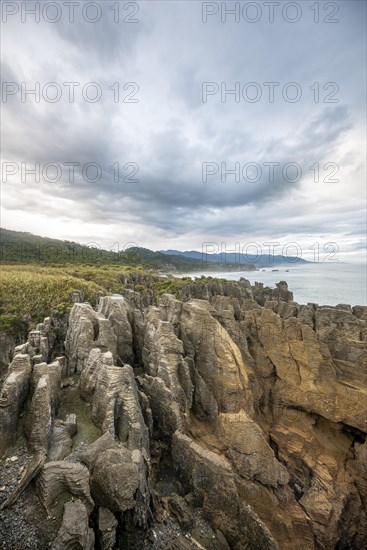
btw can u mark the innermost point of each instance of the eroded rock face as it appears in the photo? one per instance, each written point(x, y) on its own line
point(61, 477)
point(305, 370)
point(87, 330)
point(62, 437)
point(107, 524)
point(246, 415)
point(39, 417)
point(120, 313)
point(213, 482)
point(218, 416)
point(12, 397)
point(74, 531)
point(115, 480)
point(114, 396)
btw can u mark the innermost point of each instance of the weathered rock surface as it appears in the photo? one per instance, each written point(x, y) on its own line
point(114, 474)
point(60, 478)
point(119, 312)
point(13, 395)
point(213, 482)
point(61, 440)
point(74, 532)
point(107, 524)
point(39, 417)
point(87, 330)
point(115, 480)
point(240, 424)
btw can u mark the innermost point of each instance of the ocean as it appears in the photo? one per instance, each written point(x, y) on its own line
point(320, 283)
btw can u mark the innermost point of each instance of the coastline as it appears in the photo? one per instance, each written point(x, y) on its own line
point(321, 283)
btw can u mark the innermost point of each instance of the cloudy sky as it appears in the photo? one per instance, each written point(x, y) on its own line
point(164, 155)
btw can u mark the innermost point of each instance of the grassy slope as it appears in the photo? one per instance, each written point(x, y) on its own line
point(38, 275)
point(30, 292)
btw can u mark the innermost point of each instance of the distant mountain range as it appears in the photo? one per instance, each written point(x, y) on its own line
point(263, 260)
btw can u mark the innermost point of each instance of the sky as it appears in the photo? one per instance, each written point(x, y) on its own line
point(179, 125)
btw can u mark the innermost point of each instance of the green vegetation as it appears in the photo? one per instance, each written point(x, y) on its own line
point(72, 403)
point(172, 286)
point(31, 292)
point(24, 248)
point(179, 286)
point(38, 276)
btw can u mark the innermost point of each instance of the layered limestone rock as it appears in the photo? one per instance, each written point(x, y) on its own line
point(219, 415)
point(74, 531)
point(87, 330)
point(114, 396)
point(305, 370)
point(318, 415)
point(23, 374)
point(38, 425)
point(343, 332)
point(64, 478)
point(116, 477)
point(120, 313)
point(12, 398)
point(213, 482)
point(116, 409)
point(240, 424)
point(61, 440)
point(40, 343)
point(53, 373)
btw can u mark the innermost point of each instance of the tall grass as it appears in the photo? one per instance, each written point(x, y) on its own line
point(30, 292)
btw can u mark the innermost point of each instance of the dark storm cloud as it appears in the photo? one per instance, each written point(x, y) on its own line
point(170, 133)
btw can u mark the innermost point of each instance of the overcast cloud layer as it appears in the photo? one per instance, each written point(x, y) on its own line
point(170, 132)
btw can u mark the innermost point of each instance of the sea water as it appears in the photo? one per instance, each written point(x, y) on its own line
point(321, 283)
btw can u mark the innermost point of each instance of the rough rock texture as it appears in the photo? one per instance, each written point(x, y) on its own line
point(60, 477)
point(39, 417)
point(74, 532)
point(119, 312)
point(235, 418)
point(107, 524)
point(212, 480)
point(61, 440)
point(87, 330)
point(12, 397)
point(115, 480)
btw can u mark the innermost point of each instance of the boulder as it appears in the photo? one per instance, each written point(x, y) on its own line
point(115, 480)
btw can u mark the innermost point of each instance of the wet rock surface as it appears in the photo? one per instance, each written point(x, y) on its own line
point(233, 419)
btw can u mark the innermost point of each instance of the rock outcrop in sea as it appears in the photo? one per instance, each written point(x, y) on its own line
point(232, 419)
